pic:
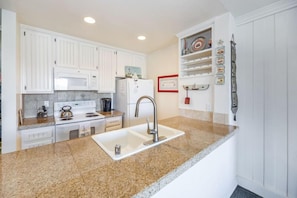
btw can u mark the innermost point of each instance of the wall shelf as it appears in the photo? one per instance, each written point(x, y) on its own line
point(198, 61)
point(196, 87)
point(203, 67)
point(197, 55)
point(204, 74)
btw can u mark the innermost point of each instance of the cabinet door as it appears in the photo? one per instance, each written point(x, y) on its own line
point(123, 59)
point(88, 56)
point(140, 61)
point(66, 52)
point(36, 62)
point(107, 70)
point(37, 137)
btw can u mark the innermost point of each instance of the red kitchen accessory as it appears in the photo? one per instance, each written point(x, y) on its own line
point(187, 99)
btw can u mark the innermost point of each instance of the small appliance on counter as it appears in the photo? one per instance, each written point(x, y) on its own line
point(42, 112)
point(106, 104)
point(66, 112)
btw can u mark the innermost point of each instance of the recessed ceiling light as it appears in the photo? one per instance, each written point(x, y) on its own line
point(141, 38)
point(89, 20)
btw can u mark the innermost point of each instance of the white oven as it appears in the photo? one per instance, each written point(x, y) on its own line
point(79, 119)
point(79, 129)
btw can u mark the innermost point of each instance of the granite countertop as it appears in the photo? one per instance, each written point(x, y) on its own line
point(80, 168)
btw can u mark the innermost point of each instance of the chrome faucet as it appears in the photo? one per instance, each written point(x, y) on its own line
point(153, 131)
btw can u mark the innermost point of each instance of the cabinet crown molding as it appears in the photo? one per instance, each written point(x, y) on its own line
point(265, 11)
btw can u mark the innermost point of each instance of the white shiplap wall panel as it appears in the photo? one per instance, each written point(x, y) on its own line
point(275, 122)
point(260, 59)
point(245, 95)
point(290, 18)
point(267, 142)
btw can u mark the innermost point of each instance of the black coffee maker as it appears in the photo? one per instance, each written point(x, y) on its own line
point(106, 104)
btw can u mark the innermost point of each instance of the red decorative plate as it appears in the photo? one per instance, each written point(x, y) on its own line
point(198, 44)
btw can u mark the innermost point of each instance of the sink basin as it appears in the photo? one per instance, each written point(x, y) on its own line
point(168, 132)
point(132, 140)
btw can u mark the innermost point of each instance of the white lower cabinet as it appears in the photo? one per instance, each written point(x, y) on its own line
point(213, 176)
point(37, 137)
point(113, 123)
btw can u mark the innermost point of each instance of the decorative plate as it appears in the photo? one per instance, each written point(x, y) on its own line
point(198, 44)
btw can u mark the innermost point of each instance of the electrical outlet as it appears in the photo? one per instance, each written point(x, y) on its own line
point(46, 103)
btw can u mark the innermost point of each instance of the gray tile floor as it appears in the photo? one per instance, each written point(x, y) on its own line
point(241, 192)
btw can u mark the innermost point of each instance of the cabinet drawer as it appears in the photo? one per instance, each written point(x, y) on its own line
point(115, 127)
point(114, 121)
point(26, 145)
point(36, 135)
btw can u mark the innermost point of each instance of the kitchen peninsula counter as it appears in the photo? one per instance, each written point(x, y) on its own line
point(80, 168)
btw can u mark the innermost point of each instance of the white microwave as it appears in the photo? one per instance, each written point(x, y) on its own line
point(75, 79)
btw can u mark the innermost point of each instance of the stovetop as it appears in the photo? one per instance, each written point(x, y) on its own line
point(81, 110)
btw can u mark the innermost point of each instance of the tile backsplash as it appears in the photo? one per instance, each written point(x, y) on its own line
point(31, 102)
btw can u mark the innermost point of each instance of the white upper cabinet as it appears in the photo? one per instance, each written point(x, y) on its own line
point(130, 59)
point(107, 70)
point(112, 64)
point(88, 56)
point(123, 59)
point(66, 52)
point(140, 61)
point(43, 50)
point(36, 61)
point(71, 53)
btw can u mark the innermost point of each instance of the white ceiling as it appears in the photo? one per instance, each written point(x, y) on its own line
point(119, 22)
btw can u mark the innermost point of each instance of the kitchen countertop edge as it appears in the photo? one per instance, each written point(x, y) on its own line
point(31, 123)
point(162, 182)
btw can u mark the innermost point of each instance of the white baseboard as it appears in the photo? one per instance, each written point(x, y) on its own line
point(257, 188)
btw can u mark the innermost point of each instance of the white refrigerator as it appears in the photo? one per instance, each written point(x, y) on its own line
point(128, 91)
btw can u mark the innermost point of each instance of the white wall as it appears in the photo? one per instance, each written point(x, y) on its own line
point(161, 63)
point(224, 28)
point(8, 64)
point(266, 66)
